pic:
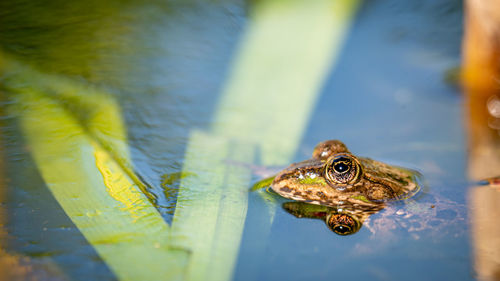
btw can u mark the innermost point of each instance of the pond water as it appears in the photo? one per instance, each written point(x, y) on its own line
point(386, 99)
point(166, 64)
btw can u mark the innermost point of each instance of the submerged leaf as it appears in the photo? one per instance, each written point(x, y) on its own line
point(78, 141)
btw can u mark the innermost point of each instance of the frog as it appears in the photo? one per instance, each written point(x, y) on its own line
point(336, 177)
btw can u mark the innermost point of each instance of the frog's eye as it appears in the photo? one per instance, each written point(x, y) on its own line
point(342, 169)
point(342, 224)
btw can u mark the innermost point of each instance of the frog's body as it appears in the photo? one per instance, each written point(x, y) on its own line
point(335, 177)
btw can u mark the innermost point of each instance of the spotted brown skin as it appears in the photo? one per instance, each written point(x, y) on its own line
point(334, 176)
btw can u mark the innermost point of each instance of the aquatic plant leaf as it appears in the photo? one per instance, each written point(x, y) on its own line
point(285, 54)
point(81, 153)
point(211, 205)
point(96, 111)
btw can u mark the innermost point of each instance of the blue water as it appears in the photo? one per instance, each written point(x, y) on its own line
point(385, 98)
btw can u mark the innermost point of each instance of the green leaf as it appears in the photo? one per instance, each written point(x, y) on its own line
point(77, 139)
point(285, 54)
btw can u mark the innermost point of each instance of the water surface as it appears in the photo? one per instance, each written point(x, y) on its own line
point(166, 63)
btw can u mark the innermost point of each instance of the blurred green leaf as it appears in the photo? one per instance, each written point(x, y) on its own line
point(78, 141)
point(284, 56)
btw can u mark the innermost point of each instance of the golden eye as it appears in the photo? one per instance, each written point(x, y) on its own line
point(342, 169)
point(342, 224)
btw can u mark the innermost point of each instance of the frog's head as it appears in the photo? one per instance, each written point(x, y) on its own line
point(335, 175)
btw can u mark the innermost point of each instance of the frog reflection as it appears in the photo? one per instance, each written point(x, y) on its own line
point(341, 220)
point(336, 178)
